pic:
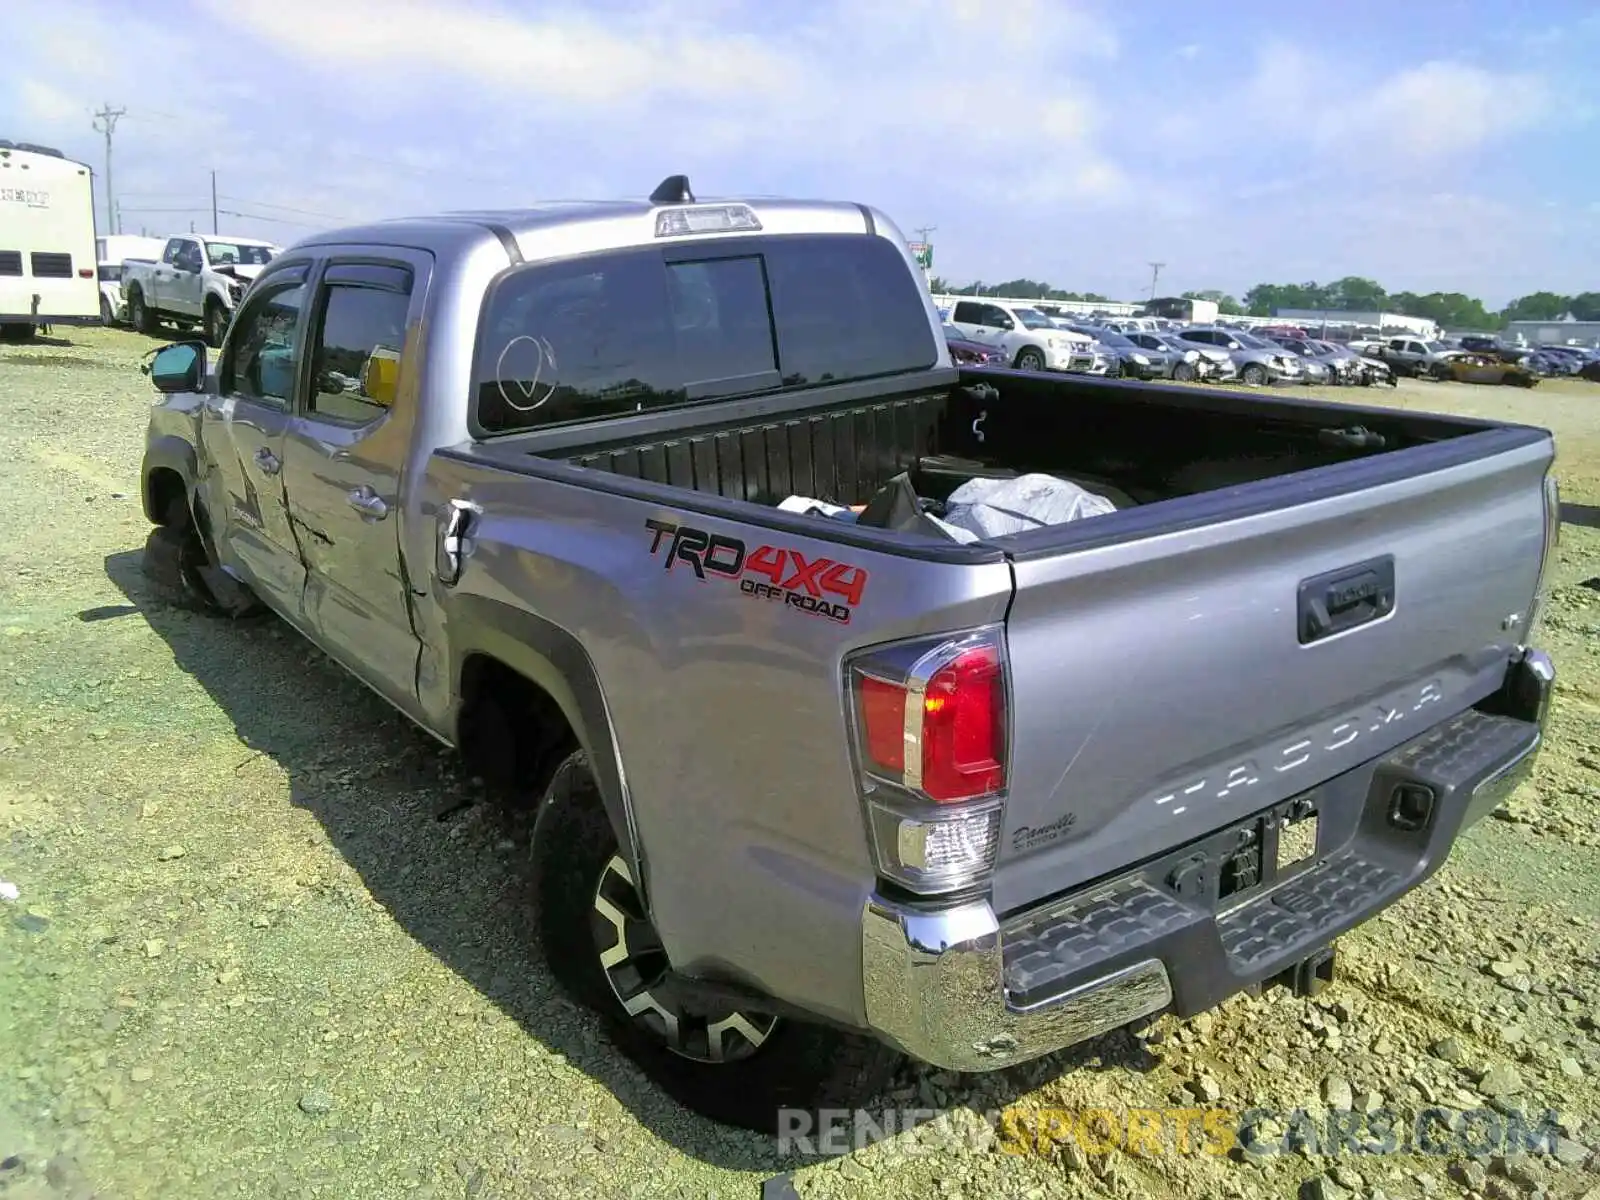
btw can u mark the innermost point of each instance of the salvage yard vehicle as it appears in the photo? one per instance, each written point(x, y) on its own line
point(971, 354)
point(198, 280)
point(1470, 367)
point(1029, 340)
point(113, 250)
point(1411, 355)
point(1258, 361)
point(816, 789)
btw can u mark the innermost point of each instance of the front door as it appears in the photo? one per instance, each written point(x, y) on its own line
point(242, 431)
point(345, 458)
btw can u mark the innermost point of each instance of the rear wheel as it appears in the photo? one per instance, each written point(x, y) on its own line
point(140, 316)
point(1030, 360)
point(739, 1067)
point(216, 323)
point(107, 317)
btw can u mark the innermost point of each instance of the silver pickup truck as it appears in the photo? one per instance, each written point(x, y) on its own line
point(816, 792)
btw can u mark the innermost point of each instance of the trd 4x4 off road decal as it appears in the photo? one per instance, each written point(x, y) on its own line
point(766, 573)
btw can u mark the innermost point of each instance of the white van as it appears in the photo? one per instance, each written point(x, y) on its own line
point(112, 250)
point(48, 265)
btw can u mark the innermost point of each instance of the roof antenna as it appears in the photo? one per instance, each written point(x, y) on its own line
point(674, 189)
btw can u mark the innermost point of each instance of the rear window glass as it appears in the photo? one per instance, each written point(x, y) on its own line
point(631, 331)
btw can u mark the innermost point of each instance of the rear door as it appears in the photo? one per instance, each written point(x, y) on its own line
point(345, 460)
point(188, 283)
point(1165, 687)
point(164, 276)
point(242, 428)
point(968, 318)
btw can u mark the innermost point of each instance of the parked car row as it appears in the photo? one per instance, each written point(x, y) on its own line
point(997, 333)
point(1480, 359)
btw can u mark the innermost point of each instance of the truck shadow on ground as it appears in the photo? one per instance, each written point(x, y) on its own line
point(450, 867)
point(1585, 515)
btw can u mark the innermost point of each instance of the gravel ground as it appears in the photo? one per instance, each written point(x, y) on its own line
point(264, 947)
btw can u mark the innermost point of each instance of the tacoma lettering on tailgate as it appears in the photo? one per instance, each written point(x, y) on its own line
point(1302, 749)
point(785, 575)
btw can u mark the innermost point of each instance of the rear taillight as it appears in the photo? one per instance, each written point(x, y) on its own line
point(930, 725)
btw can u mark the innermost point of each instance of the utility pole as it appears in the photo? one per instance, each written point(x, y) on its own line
point(109, 116)
point(214, 229)
point(1155, 274)
point(922, 238)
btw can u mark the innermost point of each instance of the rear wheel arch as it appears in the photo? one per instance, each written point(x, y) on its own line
point(528, 678)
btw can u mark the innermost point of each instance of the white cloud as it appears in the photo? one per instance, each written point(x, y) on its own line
point(862, 85)
point(1415, 116)
point(568, 56)
point(1438, 109)
point(42, 103)
point(1190, 52)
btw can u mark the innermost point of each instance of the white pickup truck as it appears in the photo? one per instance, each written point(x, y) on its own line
point(1031, 341)
point(197, 281)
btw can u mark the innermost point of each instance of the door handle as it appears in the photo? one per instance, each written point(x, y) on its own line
point(368, 503)
point(268, 461)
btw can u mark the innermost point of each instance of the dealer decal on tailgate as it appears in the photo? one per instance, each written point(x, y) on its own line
point(814, 585)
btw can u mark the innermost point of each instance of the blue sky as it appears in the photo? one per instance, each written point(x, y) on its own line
point(1429, 145)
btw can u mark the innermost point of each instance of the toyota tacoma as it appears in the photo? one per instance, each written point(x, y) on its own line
point(818, 784)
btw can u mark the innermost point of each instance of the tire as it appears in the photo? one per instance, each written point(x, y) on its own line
point(18, 333)
point(587, 905)
point(216, 324)
point(169, 567)
point(140, 316)
point(1029, 359)
point(1254, 375)
point(107, 317)
point(1183, 372)
point(180, 569)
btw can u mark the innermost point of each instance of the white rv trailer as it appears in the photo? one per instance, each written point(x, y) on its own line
point(48, 263)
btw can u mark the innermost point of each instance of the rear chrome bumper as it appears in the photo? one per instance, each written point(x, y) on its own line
point(957, 988)
point(934, 988)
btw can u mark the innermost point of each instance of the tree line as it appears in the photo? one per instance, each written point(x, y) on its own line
point(1453, 310)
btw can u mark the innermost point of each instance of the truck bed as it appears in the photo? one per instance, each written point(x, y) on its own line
point(1141, 445)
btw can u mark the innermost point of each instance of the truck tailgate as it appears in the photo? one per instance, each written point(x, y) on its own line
point(1166, 686)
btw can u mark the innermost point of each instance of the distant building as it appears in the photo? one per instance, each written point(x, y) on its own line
point(1307, 317)
point(1083, 308)
point(1556, 333)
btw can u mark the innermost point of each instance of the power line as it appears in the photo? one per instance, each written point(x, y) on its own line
point(304, 212)
point(109, 115)
point(226, 212)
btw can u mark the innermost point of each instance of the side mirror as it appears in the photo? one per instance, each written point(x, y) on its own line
point(177, 368)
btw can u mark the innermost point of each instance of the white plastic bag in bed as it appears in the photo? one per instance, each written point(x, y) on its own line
point(995, 507)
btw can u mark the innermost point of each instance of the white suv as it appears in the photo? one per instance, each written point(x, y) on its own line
point(1028, 338)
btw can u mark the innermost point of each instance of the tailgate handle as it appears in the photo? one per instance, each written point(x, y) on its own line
point(1338, 600)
